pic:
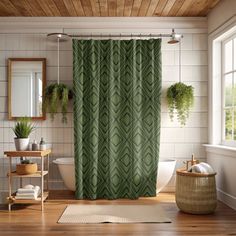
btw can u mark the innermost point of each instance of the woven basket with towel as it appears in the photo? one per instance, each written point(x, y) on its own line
point(196, 188)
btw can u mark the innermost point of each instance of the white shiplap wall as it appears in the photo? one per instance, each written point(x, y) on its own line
point(21, 38)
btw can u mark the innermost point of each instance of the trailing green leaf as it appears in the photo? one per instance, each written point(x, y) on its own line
point(180, 98)
point(56, 97)
point(23, 127)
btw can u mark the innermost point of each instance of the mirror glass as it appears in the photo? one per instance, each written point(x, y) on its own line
point(26, 84)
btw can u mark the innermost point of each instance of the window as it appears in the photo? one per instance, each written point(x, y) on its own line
point(229, 89)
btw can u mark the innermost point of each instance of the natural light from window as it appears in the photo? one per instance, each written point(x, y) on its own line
point(229, 89)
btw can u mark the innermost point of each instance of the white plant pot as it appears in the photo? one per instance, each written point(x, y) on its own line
point(22, 144)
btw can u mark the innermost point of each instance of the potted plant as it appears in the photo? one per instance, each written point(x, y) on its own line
point(57, 96)
point(180, 99)
point(22, 130)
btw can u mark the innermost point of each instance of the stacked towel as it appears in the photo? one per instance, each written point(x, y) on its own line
point(28, 192)
point(201, 168)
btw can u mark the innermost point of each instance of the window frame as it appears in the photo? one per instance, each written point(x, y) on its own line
point(232, 37)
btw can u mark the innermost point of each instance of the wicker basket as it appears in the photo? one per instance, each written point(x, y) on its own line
point(26, 169)
point(195, 192)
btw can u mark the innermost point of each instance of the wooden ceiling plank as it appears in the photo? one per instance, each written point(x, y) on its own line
point(136, 7)
point(196, 7)
point(159, 8)
point(120, 7)
point(61, 7)
point(78, 7)
point(128, 7)
point(87, 7)
point(175, 8)
point(45, 7)
point(35, 8)
point(184, 8)
point(95, 7)
point(103, 7)
point(52, 6)
point(70, 7)
point(112, 5)
point(167, 8)
point(144, 7)
point(211, 4)
point(22, 7)
point(152, 7)
point(106, 7)
point(3, 11)
point(8, 8)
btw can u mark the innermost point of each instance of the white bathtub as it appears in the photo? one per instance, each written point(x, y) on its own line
point(66, 168)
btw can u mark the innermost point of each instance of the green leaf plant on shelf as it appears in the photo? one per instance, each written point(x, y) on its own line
point(56, 97)
point(180, 98)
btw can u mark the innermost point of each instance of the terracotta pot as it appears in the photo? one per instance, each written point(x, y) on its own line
point(26, 169)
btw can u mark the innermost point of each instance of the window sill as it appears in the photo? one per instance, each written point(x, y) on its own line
point(221, 149)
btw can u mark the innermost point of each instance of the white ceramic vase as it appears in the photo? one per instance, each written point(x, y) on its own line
point(22, 144)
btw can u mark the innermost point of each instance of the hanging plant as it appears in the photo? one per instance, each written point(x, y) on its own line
point(56, 98)
point(180, 98)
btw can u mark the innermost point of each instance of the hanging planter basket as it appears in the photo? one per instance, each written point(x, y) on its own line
point(56, 98)
point(180, 99)
point(57, 95)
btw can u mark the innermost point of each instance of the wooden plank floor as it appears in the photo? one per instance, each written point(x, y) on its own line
point(28, 220)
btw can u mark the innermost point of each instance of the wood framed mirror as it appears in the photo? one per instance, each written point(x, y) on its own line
point(26, 85)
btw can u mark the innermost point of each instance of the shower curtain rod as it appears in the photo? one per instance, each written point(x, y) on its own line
point(120, 35)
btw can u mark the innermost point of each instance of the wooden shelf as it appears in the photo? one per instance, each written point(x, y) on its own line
point(29, 201)
point(27, 153)
point(35, 175)
point(44, 156)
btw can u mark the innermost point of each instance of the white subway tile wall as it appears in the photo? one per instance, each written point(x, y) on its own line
point(176, 142)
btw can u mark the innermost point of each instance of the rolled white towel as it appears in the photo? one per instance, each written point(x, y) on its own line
point(207, 167)
point(201, 168)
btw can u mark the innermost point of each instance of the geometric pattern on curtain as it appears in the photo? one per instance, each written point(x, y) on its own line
point(117, 92)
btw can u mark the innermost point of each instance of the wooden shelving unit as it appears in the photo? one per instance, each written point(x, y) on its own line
point(39, 174)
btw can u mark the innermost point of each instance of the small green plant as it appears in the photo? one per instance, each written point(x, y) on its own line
point(25, 161)
point(23, 127)
point(57, 96)
point(180, 98)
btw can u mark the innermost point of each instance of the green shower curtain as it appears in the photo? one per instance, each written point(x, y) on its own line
point(117, 92)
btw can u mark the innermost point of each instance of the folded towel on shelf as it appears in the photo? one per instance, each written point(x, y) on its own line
point(201, 168)
point(28, 190)
point(27, 193)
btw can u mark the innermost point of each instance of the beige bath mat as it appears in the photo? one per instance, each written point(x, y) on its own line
point(92, 214)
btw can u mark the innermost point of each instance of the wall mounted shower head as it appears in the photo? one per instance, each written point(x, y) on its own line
point(175, 38)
